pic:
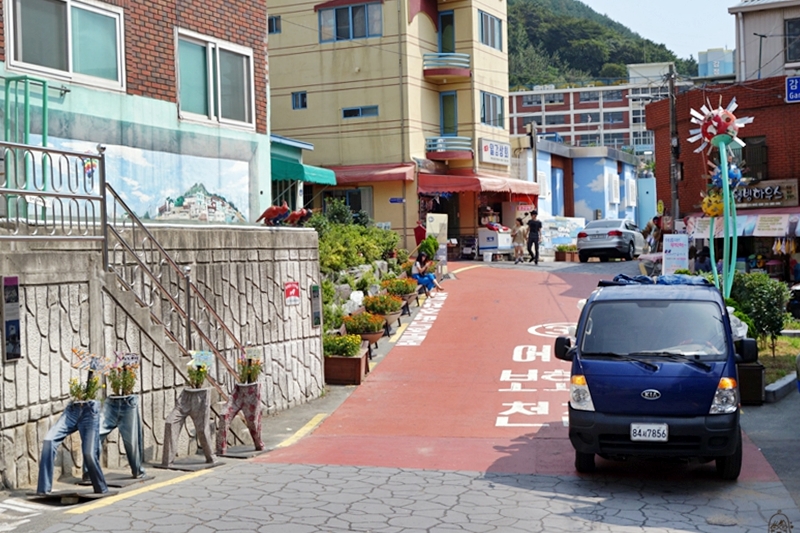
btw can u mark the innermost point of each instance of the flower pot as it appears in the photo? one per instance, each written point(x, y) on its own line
point(561, 256)
point(345, 370)
point(391, 317)
point(372, 338)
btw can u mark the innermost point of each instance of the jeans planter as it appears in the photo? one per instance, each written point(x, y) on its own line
point(194, 403)
point(83, 417)
point(122, 412)
point(246, 397)
point(341, 370)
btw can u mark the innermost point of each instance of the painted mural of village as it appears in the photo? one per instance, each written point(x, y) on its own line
point(200, 205)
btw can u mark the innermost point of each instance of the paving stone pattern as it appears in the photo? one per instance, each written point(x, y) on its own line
point(306, 499)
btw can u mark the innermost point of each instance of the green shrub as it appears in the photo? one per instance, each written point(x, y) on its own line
point(328, 291)
point(367, 280)
point(566, 248)
point(764, 300)
point(402, 254)
point(319, 222)
point(342, 345)
point(332, 316)
point(430, 246)
point(337, 211)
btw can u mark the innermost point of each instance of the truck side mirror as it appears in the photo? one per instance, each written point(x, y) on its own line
point(748, 350)
point(562, 346)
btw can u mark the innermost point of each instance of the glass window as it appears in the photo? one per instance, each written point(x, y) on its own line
point(447, 33)
point(89, 39)
point(364, 111)
point(612, 117)
point(637, 116)
point(588, 140)
point(274, 24)
point(527, 120)
point(612, 96)
point(492, 110)
point(491, 30)
point(590, 118)
point(449, 118)
point(792, 40)
point(590, 96)
point(215, 80)
point(614, 139)
point(554, 98)
point(350, 22)
point(299, 100)
point(551, 120)
point(530, 100)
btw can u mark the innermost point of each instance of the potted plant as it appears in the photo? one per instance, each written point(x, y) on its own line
point(387, 305)
point(566, 252)
point(369, 326)
point(345, 360)
point(405, 288)
point(246, 397)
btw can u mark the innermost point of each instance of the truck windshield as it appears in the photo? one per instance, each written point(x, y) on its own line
point(658, 328)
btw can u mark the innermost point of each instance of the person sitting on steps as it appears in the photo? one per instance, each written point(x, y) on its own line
point(420, 273)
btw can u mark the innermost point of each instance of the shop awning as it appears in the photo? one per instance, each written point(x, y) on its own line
point(767, 222)
point(285, 170)
point(371, 173)
point(433, 183)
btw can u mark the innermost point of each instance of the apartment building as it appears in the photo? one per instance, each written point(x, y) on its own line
point(405, 100)
point(767, 38)
point(596, 114)
point(176, 92)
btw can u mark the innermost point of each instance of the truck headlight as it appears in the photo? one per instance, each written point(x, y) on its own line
point(726, 399)
point(579, 396)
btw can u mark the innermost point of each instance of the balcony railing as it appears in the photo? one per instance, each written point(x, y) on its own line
point(434, 61)
point(448, 144)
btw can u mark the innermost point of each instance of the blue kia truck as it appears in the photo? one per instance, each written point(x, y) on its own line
point(654, 376)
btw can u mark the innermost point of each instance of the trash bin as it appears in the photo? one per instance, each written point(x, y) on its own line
point(752, 382)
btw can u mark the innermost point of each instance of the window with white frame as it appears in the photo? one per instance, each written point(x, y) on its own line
point(612, 96)
point(612, 117)
point(357, 112)
point(590, 118)
point(614, 139)
point(792, 43)
point(350, 22)
point(492, 110)
point(637, 116)
point(643, 138)
point(299, 100)
point(491, 30)
point(552, 120)
point(530, 100)
point(532, 119)
point(554, 98)
point(69, 39)
point(590, 96)
point(215, 80)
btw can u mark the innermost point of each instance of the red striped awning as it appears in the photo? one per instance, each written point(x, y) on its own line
point(348, 175)
point(433, 183)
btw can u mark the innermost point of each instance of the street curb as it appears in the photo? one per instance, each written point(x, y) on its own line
point(780, 389)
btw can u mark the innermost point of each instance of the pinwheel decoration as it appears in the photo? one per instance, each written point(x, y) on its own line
point(719, 127)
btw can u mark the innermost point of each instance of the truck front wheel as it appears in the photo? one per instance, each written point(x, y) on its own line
point(729, 467)
point(584, 462)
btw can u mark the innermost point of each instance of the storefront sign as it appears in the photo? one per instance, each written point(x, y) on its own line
point(12, 334)
point(771, 193)
point(494, 152)
point(676, 253)
point(771, 225)
point(785, 225)
point(291, 292)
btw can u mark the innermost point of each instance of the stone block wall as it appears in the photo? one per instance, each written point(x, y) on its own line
point(68, 300)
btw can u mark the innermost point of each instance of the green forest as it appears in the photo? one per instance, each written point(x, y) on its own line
point(567, 42)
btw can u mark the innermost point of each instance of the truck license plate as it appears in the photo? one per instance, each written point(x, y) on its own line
point(649, 432)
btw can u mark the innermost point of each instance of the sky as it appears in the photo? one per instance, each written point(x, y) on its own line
point(684, 26)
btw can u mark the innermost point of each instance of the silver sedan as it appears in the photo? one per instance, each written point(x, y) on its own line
point(610, 238)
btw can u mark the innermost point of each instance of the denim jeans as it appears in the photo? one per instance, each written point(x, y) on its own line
point(122, 412)
point(83, 417)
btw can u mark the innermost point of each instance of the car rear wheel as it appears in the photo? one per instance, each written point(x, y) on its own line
point(631, 254)
point(729, 467)
point(604, 259)
point(583, 257)
point(584, 462)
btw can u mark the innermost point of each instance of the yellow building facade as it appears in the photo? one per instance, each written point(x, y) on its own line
point(405, 100)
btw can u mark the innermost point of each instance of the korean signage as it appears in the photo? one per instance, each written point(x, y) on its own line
point(494, 152)
point(676, 253)
point(772, 193)
point(792, 89)
point(291, 292)
point(12, 334)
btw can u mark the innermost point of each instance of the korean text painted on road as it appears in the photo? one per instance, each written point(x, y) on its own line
point(418, 329)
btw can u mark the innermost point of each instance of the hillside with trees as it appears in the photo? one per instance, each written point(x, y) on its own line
point(567, 42)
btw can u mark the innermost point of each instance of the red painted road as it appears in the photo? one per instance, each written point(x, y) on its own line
point(460, 401)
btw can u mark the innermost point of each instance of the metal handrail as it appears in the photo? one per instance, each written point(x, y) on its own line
point(445, 60)
point(183, 282)
point(448, 144)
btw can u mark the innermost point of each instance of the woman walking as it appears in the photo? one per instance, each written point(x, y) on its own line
point(420, 273)
point(518, 240)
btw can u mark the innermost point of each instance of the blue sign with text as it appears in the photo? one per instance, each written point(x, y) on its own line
point(792, 89)
point(397, 200)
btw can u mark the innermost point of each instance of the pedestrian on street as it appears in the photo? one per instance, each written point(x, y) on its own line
point(420, 273)
point(518, 240)
point(534, 232)
point(703, 261)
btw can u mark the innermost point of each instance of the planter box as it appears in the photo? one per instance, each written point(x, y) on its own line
point(346, 370)
point(561, 256)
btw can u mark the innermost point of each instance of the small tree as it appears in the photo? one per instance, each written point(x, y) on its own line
point(764, 300)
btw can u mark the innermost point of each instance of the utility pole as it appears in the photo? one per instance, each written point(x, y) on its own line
point(675, 146)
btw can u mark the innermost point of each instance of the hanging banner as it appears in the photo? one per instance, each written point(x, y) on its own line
point(12, 334)
point(785, 225)
point(676, 253)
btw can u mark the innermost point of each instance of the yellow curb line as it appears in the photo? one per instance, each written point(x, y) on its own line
point(303, 431)
point(467, 268)
point(400, 330)
point(118, 497)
